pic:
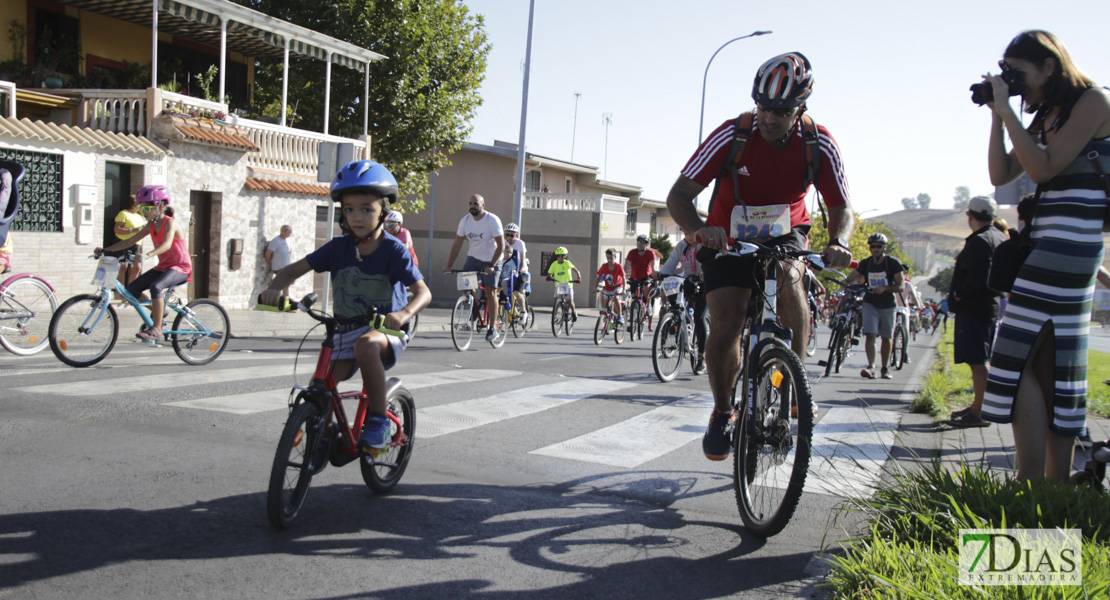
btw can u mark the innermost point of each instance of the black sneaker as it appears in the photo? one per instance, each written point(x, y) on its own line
point(715, 443)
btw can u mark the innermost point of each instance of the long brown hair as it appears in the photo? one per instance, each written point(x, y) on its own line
point(1066, 83)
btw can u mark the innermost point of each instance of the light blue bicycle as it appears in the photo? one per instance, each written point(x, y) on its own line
point(84, 329)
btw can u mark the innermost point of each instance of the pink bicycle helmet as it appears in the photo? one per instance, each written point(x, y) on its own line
point(153, 194)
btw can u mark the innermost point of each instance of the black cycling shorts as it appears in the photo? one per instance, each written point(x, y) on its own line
point(746, 271)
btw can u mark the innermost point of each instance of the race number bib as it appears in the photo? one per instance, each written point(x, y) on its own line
point(467, 280)
point(562, 288)
point(106, 271)
point(671, 285)
point(760, 223)
point(876, 279)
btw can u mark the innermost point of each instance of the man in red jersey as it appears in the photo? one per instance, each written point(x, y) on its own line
point(639, 264)
point(760, 197)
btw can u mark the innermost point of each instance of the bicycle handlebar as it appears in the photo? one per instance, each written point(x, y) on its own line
point(741, 248)
point(372, 317)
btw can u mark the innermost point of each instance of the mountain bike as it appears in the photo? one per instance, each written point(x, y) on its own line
point(85, 328)
point(675, 334)
point(642, 293)
point(772, 436)
point(846, 325)
point(469, 313)
point(562, 318)
point(27, 304)
point(607, 322)
point(317, 430)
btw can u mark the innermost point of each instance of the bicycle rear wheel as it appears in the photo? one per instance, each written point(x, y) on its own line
point(26, 307)
point(292, 469)
point(201, 348)
point(72, 341)
point(836, 339)
point(462, 326)
point(502, 330)
point(666, 348)
point(772, 450)
point(898, 348)
point(635, 319)
point(811, 343)
point(381, 473)
point(531, 314)
point(518, 322)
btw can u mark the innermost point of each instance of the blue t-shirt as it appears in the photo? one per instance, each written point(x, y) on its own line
point(377, 281)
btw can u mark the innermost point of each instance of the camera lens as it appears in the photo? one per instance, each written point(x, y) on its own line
point(981, 93)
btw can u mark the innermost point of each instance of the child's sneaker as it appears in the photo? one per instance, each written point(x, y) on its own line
point(151, 335)
point(375, 435)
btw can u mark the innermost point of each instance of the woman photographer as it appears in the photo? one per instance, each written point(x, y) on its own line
point(1038, 370)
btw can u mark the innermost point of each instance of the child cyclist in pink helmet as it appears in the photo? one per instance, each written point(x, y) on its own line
point(174, 265)
point(368, 270)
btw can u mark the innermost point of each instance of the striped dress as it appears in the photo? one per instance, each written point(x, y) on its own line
point(1055, 287)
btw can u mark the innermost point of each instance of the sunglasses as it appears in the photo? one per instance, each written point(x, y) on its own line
point(510, 235)
point(878, 246)
point(778, 112)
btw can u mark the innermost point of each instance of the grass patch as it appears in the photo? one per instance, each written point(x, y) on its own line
point(948, 386)
point(911, 549)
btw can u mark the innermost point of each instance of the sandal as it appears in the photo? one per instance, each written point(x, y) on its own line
point(961, 412)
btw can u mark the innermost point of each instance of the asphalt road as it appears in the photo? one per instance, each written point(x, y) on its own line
point(551, 468)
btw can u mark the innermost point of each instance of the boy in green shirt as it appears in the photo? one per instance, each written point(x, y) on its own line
point(560, 271)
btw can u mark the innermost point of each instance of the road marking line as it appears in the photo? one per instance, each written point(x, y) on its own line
point(165, 359)
point(277, 399)
point(459, 416)
point(640, 439)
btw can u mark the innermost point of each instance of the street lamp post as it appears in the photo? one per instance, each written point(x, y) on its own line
point(701, 119)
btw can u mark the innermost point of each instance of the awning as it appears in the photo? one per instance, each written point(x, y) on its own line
point(248, 31)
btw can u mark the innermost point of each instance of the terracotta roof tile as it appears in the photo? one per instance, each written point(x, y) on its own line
point(77, 136)
point(293, 187)
point(213, 133)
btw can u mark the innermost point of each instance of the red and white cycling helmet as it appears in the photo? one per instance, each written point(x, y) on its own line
point(153, 194)
point(784, 82)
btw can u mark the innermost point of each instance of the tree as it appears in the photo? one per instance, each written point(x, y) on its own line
point(422, 96)
point(923, 201)
point(909, 203)
point(662, 244)
point(962, 197)
point(942, 280)
point(819, 238)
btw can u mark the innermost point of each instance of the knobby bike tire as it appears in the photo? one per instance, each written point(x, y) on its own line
point(898, 348)
point(772, 451)
point(834, 349)
point(666, 348)
point(83, 349)
point(201, 348)
point(385, 470)
point(462, 323)
point(557, 317)
point(292, 470)
point(26, 305)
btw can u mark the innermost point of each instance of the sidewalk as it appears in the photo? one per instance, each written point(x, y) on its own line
point(994, 446)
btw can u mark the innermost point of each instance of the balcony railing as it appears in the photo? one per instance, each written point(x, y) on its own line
point(577, 202)
point(287, 149)
point(117, 111)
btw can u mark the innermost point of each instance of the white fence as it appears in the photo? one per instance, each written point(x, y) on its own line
point(577, 202)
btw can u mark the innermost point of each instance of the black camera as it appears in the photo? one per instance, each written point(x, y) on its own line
point(981, 93)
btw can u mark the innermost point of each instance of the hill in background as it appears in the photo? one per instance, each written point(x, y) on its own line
point(947, 228)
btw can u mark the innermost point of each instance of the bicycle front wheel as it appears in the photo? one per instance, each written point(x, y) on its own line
point(835, 340)
point(601, 329)
point(635, 319)
point(77, 338)
point(26, 307)
point(811, 343)
point(502, 326)
point(666, 348)
point(213, 329)
point(557, 316)
point(292, 469)
point(530, 313)
point(772, 450)
point(462, 326)
point(898, 348)
point(381, 473)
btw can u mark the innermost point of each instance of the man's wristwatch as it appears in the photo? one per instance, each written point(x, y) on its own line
point(839, 241)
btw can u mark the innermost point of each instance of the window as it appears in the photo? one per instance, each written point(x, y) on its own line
point(566, 190)
point(532, 181)
point(40, 190)
point(630, 224)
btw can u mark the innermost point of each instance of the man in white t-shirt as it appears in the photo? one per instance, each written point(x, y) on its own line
point(278, 255)
point(482, 230)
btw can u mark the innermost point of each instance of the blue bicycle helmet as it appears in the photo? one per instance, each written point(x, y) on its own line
point(364, 176)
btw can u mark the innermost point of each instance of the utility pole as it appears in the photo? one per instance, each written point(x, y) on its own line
point(518, 197)
point(575, 129)
point(606, 119)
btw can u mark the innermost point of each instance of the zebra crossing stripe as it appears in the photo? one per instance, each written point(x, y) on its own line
point(640, 439)
point(277, 399)
point(459, 416)
point(52, 365)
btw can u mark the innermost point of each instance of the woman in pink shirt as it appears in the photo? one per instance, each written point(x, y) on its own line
point(174, 266)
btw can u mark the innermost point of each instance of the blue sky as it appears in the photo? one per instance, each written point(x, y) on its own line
point(891, 81)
